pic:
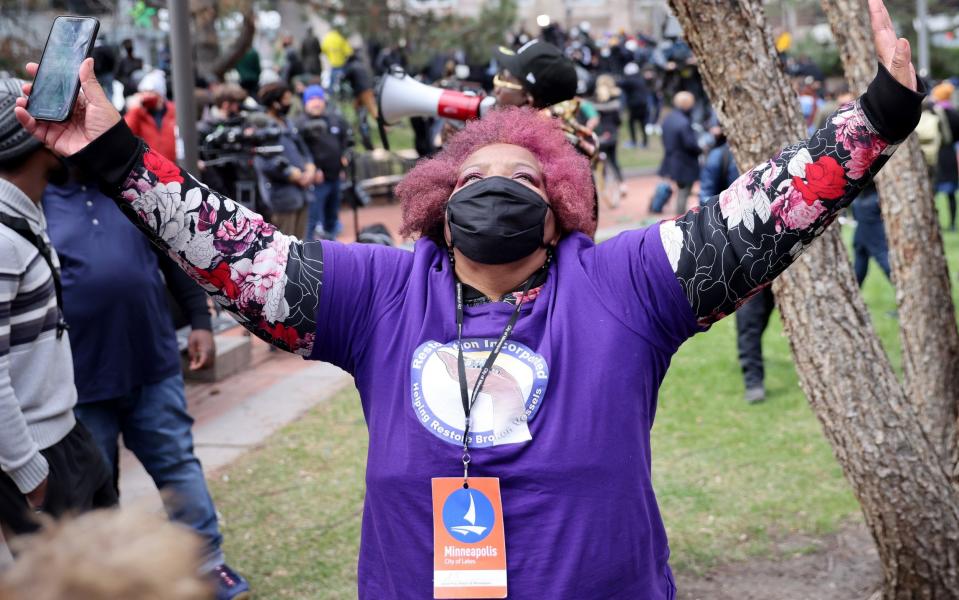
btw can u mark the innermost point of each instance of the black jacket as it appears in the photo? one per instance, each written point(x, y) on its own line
point(635, 91)
point(327, 137)
point(947, 169)
point(681, 150)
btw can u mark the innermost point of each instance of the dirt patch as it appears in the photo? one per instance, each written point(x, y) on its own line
point(843, 566)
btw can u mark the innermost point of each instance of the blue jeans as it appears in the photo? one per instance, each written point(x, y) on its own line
point(325, 209)
point(869, 239)
point(156, 428)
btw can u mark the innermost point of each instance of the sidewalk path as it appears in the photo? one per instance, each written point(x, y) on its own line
point(235, 415)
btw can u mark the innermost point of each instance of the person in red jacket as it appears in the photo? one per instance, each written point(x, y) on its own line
point(153, 117)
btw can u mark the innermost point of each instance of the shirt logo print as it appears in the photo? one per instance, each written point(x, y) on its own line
point(510, 398)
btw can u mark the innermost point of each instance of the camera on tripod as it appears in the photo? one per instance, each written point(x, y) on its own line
point(227, 155)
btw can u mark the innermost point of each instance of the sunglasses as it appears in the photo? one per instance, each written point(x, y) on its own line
point(499, 82)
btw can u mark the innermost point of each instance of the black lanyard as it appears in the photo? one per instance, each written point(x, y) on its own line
point(470, 399)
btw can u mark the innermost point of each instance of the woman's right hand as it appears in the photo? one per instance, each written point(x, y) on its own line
point(92, 115)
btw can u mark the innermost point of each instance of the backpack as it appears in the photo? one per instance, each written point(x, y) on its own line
point(929, 132)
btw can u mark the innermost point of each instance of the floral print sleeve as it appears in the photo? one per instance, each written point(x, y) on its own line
point(269, 281)
point(729, 250)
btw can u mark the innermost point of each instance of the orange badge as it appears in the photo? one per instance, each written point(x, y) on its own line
point(469, 544)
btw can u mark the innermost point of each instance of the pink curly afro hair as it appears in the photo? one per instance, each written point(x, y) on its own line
point(566, 173)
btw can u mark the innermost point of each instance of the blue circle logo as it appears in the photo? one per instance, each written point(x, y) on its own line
point(468, 515)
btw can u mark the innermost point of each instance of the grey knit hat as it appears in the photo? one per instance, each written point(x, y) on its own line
point(14, 139)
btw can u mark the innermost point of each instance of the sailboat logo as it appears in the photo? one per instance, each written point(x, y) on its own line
point(468, 515)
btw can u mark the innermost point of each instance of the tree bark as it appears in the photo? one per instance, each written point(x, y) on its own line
point(210, 62)
point(206, 42)
point(228, 60)
point(906, 496)
point(927, 324)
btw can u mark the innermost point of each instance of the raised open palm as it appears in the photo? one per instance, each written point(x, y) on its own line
point(92, 115)
point(894, 53)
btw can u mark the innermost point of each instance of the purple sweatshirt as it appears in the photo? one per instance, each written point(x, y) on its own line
point(585, 361)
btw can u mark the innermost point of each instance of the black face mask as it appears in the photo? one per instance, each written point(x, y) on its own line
point(496, 220)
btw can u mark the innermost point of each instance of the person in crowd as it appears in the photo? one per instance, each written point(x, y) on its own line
point(249, 71)
point(296, 97)
point(833, 100)
point(227, 107)
point(287, 179)
point(328, 137)
point(107, 555)
point(336, 49)
point(128, 66)
point(126, 360)
point(355, 72)
point(291, 64)
point(105, 58)
point(535, 75)
point(310, 52)
point(539, 76)
point(752, 318)
point(720, 170)
point(681, 149)
point(636, 95)
point(49, 461)
point(607, 129)
point(391, 56)
point(869, 239)
point(947, 167)
point(152, 117)
point(809, 101)
point(655, 85)
point(556, 345)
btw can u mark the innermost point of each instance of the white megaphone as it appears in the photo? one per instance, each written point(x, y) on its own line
point(400, 96)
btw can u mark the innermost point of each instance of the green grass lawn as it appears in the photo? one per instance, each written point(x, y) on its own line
point(730, 478)
point(639, 158)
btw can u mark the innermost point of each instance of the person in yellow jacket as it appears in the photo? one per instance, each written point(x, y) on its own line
point(337, 49)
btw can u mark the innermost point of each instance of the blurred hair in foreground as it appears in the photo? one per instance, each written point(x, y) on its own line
point(107, 555)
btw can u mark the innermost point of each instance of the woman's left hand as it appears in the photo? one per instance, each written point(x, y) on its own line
point(894, 53)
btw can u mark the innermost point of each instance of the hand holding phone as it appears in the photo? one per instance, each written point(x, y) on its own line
point(57, 81)
point(93, 115)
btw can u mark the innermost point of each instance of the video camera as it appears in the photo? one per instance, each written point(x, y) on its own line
point(239, 137)
point(227, 152)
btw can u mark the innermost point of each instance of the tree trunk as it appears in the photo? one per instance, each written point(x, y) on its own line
point(906, 497)
point(927, 324)
point(228, 60)
point(206, 42)
point(210, 62)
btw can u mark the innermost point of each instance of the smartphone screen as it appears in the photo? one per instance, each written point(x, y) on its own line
point(57, 82)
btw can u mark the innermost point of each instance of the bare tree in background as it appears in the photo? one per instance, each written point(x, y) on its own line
point(211, 62)
point(877, 431)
